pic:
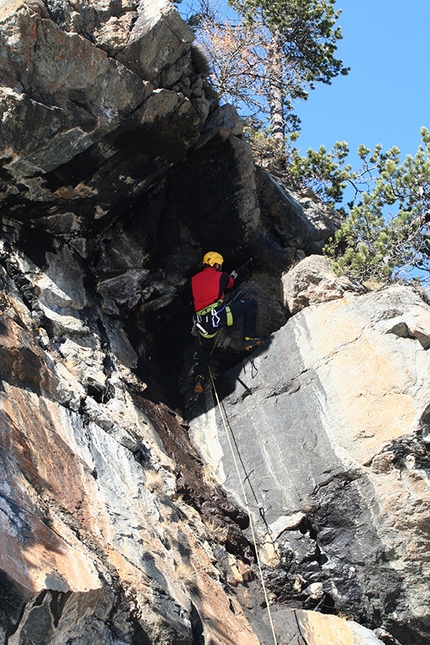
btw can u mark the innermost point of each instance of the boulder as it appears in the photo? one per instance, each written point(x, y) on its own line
point(312, 281)
point(294, 627)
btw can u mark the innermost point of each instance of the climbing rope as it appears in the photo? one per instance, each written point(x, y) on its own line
point(248, 509)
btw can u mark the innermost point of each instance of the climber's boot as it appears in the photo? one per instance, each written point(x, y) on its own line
point(251, 343)
point(199, 384)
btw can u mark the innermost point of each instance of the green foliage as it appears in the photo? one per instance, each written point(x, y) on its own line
point(306, 31)
point(270, 54)
point(386, 232)
point(385, 203)
point(325, 172)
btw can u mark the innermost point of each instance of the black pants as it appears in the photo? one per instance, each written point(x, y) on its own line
point(243, 308)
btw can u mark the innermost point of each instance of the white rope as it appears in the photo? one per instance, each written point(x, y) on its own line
point(245, 497)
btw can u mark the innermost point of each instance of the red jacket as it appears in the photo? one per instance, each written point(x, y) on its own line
point(208, 286)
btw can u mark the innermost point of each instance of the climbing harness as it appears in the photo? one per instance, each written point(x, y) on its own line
point(247, 505)
point(207, 321)
point(208, 309)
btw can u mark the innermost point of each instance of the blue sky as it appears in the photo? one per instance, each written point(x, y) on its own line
point(386, 96)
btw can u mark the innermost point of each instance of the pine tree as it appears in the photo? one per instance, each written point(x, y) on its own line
point(384, 202)
point(273, 53)
point(386, 232)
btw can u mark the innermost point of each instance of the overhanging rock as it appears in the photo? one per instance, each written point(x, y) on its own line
point(84, 134)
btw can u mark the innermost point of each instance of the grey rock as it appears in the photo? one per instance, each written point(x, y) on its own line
point(56, 106)
point(300, 220)
point(158, 49)
point(313, 280)
point(328, 396)
point(296, 627)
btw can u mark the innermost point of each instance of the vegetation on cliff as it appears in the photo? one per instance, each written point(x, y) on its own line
point(384, 233)
point(263, 57)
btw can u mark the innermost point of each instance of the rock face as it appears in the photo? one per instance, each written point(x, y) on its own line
point(329, 425)
point(73, 115)
point(119, 169)
point(312, 281)
point(97, 544)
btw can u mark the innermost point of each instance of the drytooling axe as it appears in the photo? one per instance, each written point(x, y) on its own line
point(242, 266)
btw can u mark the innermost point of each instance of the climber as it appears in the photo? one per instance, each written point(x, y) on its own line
point(208, 287)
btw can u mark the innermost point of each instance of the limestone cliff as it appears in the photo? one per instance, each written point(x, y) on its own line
point(123, 518)
point(328, 423)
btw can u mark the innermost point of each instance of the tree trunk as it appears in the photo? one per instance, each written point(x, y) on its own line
point(276, 91)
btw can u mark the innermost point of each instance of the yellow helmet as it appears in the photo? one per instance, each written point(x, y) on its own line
point(212, 257)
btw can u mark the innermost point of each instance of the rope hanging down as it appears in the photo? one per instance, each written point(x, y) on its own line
point(248, 509)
